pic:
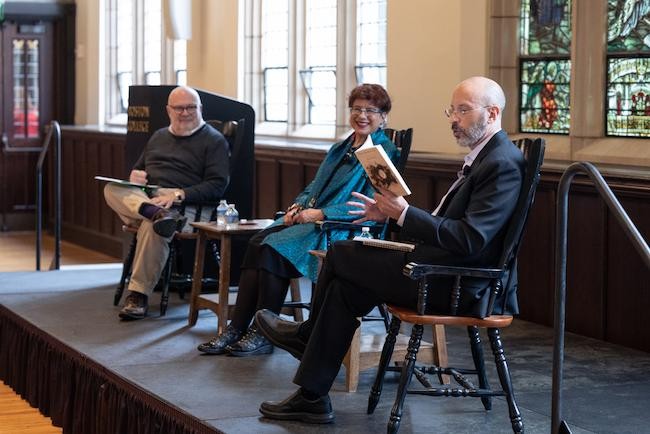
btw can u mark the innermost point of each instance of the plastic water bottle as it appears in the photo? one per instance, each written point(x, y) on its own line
point(365, 232)
point(232, 215)
point(221, 212)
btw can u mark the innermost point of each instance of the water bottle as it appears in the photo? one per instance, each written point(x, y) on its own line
point(365, 232)
point(232, 215)
point(221, 212)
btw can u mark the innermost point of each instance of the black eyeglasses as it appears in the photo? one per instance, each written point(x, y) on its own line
point(191, 109)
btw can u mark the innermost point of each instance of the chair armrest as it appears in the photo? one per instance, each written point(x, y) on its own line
point(419, 272)
point(416, 271)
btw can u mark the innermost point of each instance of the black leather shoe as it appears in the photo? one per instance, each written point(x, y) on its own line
point(218, 345)
point(283, 334)
point(251, 344)
point(135, 306)
point(297, 407)
point(166, 222)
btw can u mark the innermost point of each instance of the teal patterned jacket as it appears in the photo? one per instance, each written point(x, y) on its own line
point(330, 196)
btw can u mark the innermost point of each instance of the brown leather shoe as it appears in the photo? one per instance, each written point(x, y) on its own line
point(297, 407)
point(166, 222)
point(135, 306)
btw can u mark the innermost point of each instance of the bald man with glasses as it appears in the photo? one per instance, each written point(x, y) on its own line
point(190, 161)
point(467, 228)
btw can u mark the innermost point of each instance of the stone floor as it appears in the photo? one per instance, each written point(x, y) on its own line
point(607, 388)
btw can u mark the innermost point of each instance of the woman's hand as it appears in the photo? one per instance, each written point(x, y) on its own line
point(290, 214)
point(309, 215)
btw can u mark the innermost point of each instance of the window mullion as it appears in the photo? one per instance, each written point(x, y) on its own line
point(297, 37)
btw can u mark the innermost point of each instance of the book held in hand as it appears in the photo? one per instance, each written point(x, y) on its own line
point(380, 170)
point(125, 182)
point(385, 244)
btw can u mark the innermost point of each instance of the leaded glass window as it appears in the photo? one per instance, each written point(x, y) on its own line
point(545, 67)
point(628, 68)
point(371, 42)
point(275, 60)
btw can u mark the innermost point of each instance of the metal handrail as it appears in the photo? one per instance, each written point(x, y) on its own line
point(558, 425)
point(54, 131)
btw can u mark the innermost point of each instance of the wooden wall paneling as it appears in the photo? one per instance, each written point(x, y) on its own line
point(586, 263)
point(267, 187)
point(67, 181)
point(292, 181)
point(628, 279)
point(422, 191)
point(80, 214)
point(106, 167)
point(92, 193)
point(536, 259)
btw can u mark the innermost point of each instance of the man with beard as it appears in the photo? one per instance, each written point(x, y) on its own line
point(190, 160)
point(467, 228)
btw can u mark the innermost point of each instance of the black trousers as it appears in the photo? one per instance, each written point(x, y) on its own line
point(264, 279)
point(354, 279)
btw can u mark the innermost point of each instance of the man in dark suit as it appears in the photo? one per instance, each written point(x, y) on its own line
point(467, 228)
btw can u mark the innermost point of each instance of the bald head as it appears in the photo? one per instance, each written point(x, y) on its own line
point(184, 110)
point(485, 91)
point(476, 107)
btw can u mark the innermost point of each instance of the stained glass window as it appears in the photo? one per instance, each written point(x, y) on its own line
point(545, 96)
point(26, 87)
point(628, 68)
point(545, 67)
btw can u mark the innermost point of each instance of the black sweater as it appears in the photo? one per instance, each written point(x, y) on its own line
point(198, 163)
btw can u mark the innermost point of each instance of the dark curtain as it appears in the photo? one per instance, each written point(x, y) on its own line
point(77, 393)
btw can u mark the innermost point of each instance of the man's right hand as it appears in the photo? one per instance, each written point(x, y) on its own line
point(138, 177)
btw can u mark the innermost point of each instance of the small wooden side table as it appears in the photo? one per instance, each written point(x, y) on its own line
point(222, 302)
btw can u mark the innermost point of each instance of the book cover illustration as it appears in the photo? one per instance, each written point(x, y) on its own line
point(380, 170)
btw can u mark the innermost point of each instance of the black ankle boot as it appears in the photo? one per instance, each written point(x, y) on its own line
point(251, 344)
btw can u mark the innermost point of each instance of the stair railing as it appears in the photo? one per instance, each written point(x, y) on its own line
point(54, 131)
point(558, 425)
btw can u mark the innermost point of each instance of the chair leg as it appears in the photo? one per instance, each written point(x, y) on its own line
point(385, 315)
point(386, 355)
point(405, 378)
point(479, 364)
point(166, 277)
point(126, 271)
point(440, 351)
point(352, 361)
point(294, 285)
point(504, 378)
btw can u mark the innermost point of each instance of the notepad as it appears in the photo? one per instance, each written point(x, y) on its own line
point(385, 244)
point(125, 182)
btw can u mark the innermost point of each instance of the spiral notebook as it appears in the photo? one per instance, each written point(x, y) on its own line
point(384, 244)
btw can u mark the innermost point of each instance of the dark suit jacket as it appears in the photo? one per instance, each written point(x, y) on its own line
point(470, 228)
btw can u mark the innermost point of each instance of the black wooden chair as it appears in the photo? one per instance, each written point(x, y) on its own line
point(534, 154)
point(174, 274)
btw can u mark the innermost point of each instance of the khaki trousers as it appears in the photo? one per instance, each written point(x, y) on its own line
point(151, 249)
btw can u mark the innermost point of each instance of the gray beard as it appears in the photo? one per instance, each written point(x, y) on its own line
point(472, 135)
